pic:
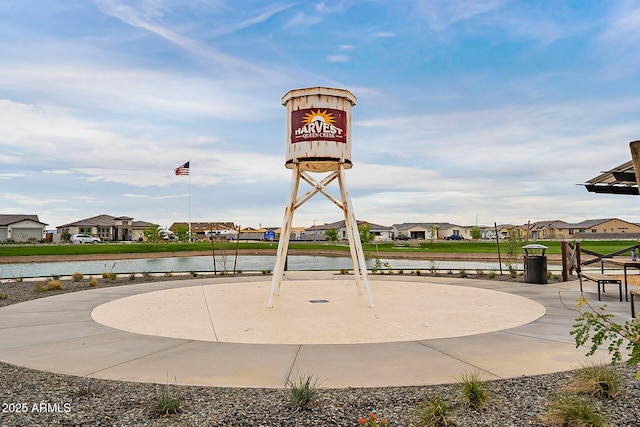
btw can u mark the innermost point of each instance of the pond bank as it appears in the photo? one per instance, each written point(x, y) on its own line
point(398, 254)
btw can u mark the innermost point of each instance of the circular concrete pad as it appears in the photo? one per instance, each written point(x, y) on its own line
point(318, 312)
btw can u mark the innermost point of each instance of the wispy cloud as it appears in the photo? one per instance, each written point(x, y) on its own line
point(21, 200)
point(10, 175)
point(338, 58)
point(620, 40)
point(140, 19)
point(441, 14)
point(301, 19)
point(146, 196)
point(263, 16)
point(58, 172)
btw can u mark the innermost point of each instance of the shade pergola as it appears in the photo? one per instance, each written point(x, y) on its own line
point(619, 180)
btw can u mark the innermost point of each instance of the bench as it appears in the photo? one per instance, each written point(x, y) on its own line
point(601, 280)
point(633, 295)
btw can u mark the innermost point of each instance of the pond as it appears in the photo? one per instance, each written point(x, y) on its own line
point(245, 263)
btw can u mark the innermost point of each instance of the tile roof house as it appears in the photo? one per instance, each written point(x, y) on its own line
point(201, 230)
point(381, 232)
point(606, 228)
point(426, 230)
point(21, 228)
point(107, 227)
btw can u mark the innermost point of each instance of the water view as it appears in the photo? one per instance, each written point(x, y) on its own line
point(244, 263)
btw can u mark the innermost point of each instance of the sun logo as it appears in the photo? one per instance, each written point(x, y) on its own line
point(318, 115)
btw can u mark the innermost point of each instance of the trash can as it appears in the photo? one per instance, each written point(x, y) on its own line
point(535, 264)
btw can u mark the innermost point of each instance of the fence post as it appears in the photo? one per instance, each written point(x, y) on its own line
point(564, 245)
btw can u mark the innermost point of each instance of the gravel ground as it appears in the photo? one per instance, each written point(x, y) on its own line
point(34, 398)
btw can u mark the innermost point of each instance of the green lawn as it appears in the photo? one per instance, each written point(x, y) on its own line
point(600, 246)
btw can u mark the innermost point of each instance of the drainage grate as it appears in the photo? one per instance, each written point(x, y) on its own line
point(317, 301)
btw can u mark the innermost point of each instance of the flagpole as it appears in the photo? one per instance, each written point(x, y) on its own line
point(189, 199)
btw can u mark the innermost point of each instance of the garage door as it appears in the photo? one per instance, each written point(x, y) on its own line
point(24, 234)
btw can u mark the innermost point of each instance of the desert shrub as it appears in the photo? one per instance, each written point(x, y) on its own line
point(132, 276)
point(303, 389)
point(4, 296)
point(93, 282)
point(380, 266)
point(88, 388)
point(113, 276)
point(474, 390)
point(167, 401)
point(51, 285)
point(434, 413)
point(600, 381)
point(77, 276)
point(572, 410)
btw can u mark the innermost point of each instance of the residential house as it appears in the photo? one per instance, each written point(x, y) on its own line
point(108, 227)
point(505, 229)
point(202, 230)
point(456, 230)
point(21, 228)
point(429, 230)
point(252, 233)
point(317, 232)
point(608, 228)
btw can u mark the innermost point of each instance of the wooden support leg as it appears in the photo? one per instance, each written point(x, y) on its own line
point(285, 233)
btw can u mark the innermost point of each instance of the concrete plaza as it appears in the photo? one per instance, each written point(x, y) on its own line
point(218, 331)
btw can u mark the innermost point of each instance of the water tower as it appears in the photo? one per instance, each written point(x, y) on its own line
point(318, 140)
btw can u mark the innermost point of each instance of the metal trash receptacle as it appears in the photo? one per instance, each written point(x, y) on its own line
point(535, 264)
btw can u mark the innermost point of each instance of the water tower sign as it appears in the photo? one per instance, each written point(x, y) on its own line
point(318, 128)
point(318, 139)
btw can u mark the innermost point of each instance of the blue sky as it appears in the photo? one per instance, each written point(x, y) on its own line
point(488, 111)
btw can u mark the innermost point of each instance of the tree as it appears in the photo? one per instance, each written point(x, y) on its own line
point(476, 233)
point(366, 236)
point(433, 232)
point(513, 243)
point(181, 231)
point(599, 327)
point(331, 235)
point(153, 234)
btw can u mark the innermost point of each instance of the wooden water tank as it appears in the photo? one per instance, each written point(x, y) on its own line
point(318, 132)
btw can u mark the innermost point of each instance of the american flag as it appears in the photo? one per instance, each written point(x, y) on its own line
point(183, 169)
